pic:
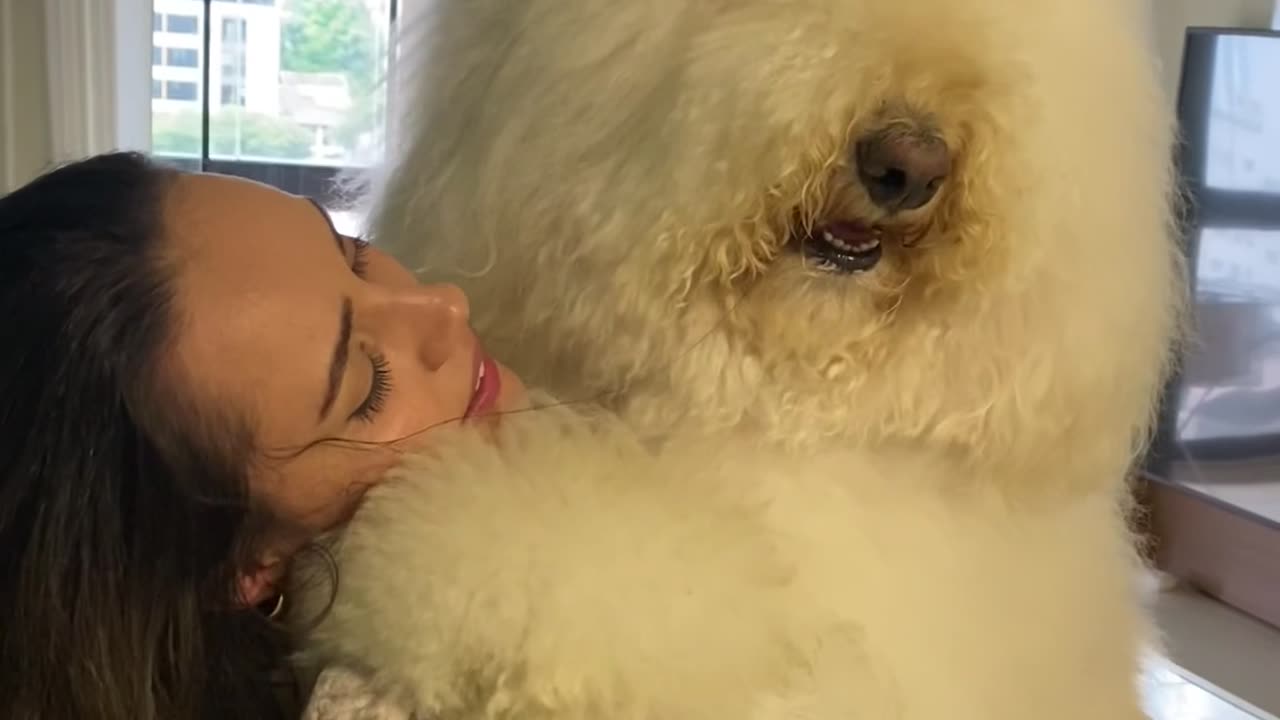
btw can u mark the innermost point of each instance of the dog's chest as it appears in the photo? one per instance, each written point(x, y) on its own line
point(968, 611)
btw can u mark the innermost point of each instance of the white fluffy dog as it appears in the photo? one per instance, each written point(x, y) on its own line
point(883, 294)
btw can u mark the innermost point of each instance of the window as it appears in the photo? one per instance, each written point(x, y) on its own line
point(157, 22)
point(184, 24)
point(157, 89)
point(234, 30)
point(234, 60)
point(295, 98)
point(182, 57)
point(157, 56)
point(177, 90)
point(232, 95)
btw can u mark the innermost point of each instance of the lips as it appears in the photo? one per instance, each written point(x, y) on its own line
point(485, 388)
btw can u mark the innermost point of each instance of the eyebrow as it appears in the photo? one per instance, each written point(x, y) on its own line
point(338, 360)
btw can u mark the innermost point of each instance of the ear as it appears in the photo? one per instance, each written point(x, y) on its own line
point(261, 582)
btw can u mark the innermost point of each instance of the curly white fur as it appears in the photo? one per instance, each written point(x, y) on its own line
point(612, 182)
point(896, 494)
point(571, 573)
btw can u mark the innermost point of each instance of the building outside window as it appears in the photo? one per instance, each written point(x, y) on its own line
point(182, 57)
point(181, 91)
point(183, 24)
point(296, 91)
point(234, 57)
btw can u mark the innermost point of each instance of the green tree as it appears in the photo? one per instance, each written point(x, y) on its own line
point(330, 36)
point(258, 135)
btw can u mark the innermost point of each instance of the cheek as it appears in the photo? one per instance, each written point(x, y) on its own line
point(414, 418)
point(322, 491)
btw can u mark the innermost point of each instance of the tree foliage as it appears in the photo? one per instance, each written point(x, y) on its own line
point(330, 36)
point(232, 133)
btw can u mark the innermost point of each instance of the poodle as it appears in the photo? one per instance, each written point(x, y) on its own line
point(877, 299)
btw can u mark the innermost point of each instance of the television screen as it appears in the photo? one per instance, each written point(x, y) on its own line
point(1222, 419)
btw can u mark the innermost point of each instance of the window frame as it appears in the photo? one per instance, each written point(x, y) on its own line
point(1224, 551)
point(318, 181)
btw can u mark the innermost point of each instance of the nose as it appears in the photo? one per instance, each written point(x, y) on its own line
point(435, 320)
point(902, 170)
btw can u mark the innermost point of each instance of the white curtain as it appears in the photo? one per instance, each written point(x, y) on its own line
point(24, 111)
point(75, 80)
point(98, 56)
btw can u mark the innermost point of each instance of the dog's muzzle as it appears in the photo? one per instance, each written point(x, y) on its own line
point(901, 169)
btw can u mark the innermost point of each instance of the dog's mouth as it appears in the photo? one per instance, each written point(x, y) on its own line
point(844, 247)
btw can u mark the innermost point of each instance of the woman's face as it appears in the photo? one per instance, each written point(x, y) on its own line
point(313, 336)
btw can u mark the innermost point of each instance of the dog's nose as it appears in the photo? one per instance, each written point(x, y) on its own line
point(902, 170)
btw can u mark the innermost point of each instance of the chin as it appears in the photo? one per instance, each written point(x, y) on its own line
point(881, 294)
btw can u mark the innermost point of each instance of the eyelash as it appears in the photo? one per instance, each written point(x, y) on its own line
point(379, 388)
point(380, 385)
point(360, 256)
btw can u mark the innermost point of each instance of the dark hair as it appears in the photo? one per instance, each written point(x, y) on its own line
point(124, 506)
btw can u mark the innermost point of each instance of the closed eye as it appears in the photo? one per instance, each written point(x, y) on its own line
point(379, 388)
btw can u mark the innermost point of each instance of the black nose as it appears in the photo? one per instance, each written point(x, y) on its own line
point(902, 170)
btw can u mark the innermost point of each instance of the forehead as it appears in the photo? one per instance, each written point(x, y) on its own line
point(213, 221)
point(258, 280)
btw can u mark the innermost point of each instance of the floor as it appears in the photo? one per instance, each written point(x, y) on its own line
point(1222, 664)
point(1170, 695)
point(1218, 648)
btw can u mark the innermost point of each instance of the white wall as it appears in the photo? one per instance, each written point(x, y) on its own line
point(25, 144)
point(1173, 17)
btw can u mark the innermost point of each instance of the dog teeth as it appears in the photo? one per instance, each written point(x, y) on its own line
point(833, 240)
point(842, 245)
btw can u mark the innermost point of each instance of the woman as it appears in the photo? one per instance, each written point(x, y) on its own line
point(198, 375)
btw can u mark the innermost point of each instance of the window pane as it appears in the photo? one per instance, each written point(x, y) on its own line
point(291, 81)
point(183, 57)
point(175, 96)
point(232, 95)
point(185, 91)
point(234, 31)
point(184, 24)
